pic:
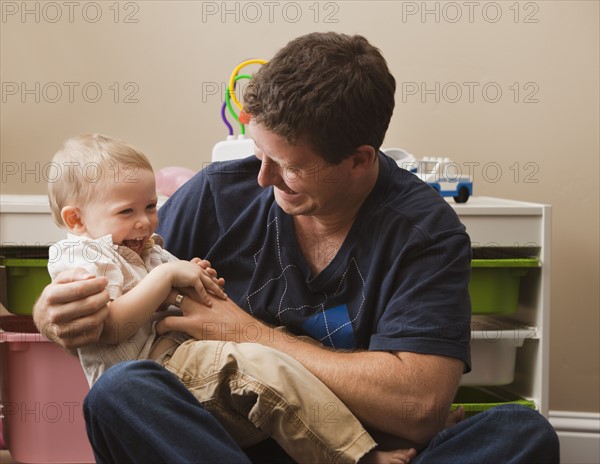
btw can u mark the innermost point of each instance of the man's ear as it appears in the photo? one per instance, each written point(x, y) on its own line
point(363, 159)
point(71, 216)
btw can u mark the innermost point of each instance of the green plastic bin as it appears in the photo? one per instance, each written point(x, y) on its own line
point(25, 281)
point(494, 284)
point(479, 399)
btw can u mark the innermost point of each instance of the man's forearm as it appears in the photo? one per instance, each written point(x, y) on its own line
point(403, 394)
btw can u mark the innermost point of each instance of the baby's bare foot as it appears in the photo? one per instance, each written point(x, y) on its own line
point(455, 416)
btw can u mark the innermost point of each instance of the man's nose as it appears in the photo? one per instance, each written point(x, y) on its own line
point(269, 173)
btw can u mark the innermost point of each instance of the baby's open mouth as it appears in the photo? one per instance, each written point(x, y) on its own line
point(135, 244)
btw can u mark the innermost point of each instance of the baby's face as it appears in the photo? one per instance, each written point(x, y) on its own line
point(125, 208)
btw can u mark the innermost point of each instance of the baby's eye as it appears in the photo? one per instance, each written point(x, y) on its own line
point(151, 207)
point(126, 211)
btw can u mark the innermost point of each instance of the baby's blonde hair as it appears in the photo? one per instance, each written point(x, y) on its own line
point(86, 162)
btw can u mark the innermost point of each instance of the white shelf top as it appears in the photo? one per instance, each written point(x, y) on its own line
point(496, 206)
point(491, 328)
point(24, 204)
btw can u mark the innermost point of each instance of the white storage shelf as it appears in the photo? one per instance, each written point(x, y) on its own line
point(519, 228)
point(25, 220)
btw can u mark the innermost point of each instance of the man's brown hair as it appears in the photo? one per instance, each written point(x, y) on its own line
point(332, 90)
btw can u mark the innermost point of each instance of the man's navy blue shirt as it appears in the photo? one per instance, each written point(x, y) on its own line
point(399, 282)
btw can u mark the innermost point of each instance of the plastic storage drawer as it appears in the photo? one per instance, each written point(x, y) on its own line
point(25, 280)
point(43, 388)
point(494, 285)
point(476, 400)
point(494, 347)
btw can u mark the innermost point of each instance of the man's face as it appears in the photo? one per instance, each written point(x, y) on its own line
point(303, 182)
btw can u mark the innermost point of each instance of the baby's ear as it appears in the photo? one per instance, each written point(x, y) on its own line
point(71, 216)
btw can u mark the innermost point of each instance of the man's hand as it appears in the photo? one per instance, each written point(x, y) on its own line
point(72, 309)
point(222, 320)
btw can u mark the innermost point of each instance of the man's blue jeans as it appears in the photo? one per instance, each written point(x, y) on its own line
point(138, 412)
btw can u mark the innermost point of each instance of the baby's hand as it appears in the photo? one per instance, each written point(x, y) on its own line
point(192, 279)
point(204, 264)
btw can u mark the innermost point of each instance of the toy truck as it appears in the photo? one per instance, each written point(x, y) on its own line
point(442, 174)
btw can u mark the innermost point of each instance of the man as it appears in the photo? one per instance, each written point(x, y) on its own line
point(334, 242)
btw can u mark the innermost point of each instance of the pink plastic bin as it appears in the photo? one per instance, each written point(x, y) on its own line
point(43, 388)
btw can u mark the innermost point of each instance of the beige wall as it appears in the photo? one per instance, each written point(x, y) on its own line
point(536, 141)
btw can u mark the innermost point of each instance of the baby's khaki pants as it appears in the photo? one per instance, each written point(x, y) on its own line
point(257, 392)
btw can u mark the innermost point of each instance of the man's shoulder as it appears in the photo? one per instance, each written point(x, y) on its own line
point(232, 171)
point(412, 199)
point(207, 206)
